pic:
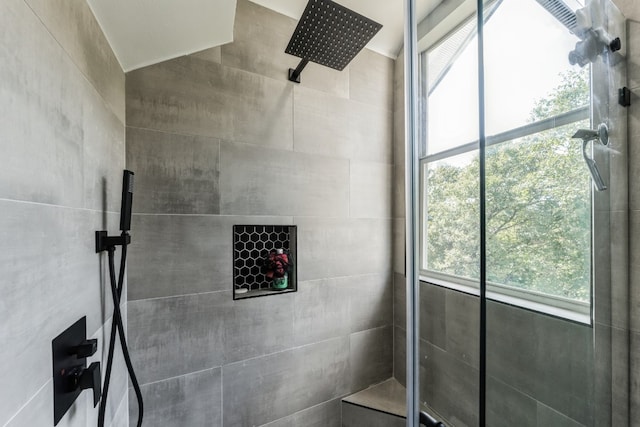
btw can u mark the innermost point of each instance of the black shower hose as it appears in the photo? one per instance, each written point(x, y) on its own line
point(116, 324)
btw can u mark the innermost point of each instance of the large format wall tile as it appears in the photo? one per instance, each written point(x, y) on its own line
point(370, 301)
point(215, 101)
point(39, 411)
point(433, 314)
point(256, 326)
point(371, 79)
point(259, 181)
point(40, 122)
point(332, 126)
point(169, 337)
point(176, 335)
point(548, 417)
point(177, 254)
point(174, 173)
point(51, 277)
point(399, 300)
point(371, 357)
point(462, 331)
point(547, 358)
point(87, 46)
point(193, 400)
point(102, 156)
point(441, 377)
point(370, 190)
point(328, 308)
point(330, 247)
point(252, 397)
point(321, 310)
point(400, 355)
point(507, 407)
point(323, 415)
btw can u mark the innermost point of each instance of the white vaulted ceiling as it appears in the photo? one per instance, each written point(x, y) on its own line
point(144, 32)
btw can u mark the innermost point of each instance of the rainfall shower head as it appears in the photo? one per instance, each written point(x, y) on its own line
point(329, 34)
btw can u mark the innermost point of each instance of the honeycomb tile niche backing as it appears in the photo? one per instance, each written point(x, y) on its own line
point(261, 254)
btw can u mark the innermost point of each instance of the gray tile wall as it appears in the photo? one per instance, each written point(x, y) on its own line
point(221, 138)
point(614, 385)
point(62, 107)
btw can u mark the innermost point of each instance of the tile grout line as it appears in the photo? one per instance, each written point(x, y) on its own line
point(52, 205)
point(352, 276)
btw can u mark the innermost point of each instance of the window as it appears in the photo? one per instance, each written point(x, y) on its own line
point(538, 191)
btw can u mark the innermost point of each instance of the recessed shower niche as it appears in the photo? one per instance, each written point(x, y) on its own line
point(264, 260)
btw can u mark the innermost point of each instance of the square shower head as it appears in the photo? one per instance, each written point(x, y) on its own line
point(330, 34)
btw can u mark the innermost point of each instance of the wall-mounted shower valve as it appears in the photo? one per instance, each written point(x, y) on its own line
point(86, 348)
point(81, 378)
point(71, 374)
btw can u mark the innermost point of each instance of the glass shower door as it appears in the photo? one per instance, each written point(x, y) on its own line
point(523, 253)
point(554, 187)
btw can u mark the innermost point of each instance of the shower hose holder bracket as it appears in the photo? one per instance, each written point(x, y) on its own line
point(104, 241)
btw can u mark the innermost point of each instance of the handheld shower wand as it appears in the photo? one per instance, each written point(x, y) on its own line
point(109, 243)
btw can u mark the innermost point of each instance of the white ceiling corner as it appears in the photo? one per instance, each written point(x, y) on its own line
point(145, 32)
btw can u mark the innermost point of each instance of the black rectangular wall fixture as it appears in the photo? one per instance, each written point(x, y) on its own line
point(71, 375)
point(252, 245)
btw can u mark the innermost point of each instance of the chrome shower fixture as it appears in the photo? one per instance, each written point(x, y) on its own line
point(587, 135)
point(594, 38)
point(601, 134)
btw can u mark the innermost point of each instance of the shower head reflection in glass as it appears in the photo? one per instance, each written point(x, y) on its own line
point(587, 135)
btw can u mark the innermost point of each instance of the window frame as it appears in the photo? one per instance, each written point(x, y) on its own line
point(554, 305)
